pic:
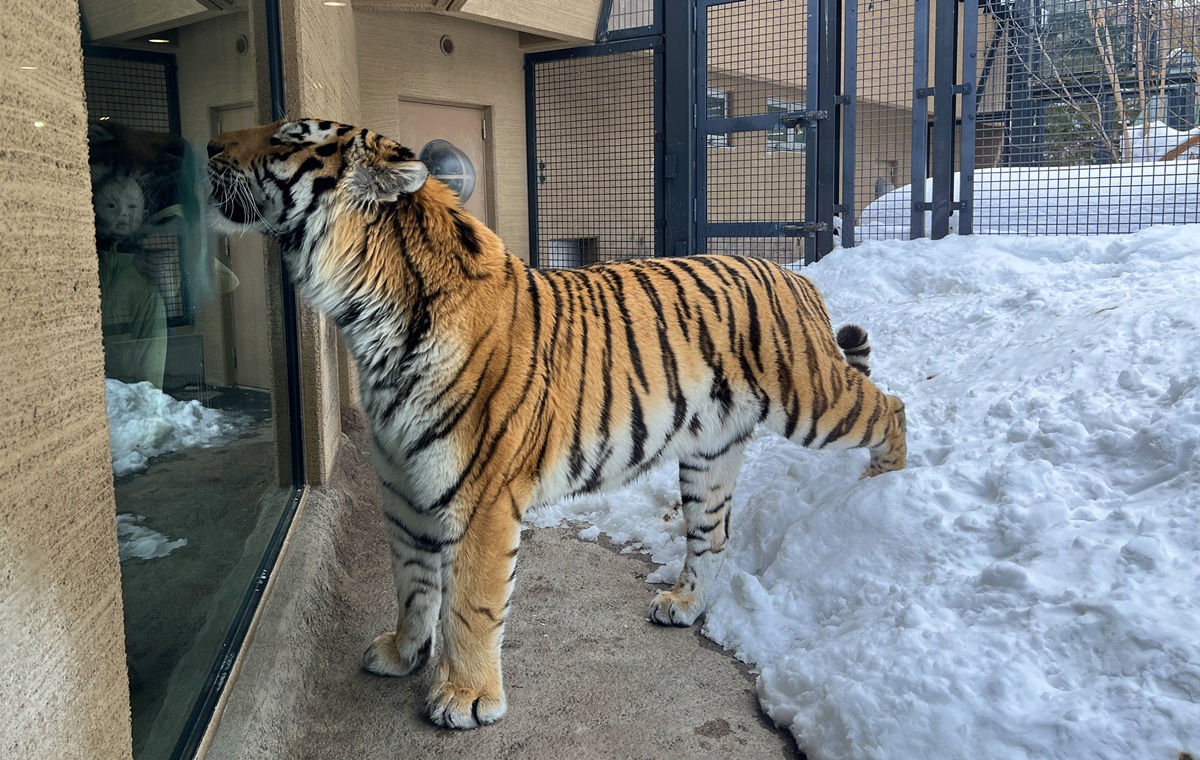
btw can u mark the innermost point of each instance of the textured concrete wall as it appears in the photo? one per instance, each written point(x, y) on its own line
point(399, 58)
point(321, 66)
point(62, 642)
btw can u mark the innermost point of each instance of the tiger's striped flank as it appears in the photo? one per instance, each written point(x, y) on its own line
point(491, 387)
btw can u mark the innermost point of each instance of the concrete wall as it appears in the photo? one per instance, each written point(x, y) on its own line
point(62, 664)
point(399, 58)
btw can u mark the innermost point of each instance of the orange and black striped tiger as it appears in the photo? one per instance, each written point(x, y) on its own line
point(491, 386)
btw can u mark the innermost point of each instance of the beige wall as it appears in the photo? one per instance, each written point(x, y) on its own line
point(321, 69)
point(399, 58)
point(62, 665)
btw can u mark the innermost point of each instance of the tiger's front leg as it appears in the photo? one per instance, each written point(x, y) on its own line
point(468, 689)
point(418, 545)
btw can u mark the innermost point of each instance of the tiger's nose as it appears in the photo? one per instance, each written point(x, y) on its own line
point(215, 147)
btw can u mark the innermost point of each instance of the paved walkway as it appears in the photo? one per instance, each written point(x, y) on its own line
point(587, 675)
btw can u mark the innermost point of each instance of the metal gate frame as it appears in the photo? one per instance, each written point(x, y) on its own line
point(949, 97)
point(828, 119)
point(678, 38)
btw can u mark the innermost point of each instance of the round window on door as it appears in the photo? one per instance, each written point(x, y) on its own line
point(450, 164)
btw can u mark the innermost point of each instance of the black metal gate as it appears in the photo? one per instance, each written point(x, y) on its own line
point(740, 126)
point(769, 110)
point(698, 126)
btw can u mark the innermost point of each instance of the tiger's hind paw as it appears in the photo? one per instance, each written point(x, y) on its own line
point(451, 706)
point(675, 608)
point(384, 658)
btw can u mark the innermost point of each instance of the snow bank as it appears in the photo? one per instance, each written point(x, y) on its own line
point(144, 422)
point(1153, 140)
point(135, 540)
point(1057, 200)
point(1027, 588)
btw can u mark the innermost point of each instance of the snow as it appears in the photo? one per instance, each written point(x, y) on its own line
point(135, 540)
point(1154, 139)
point(1056, 200)
point(144, 422)
point(1027, 588)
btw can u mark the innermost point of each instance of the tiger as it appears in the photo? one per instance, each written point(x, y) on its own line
point(491, 387)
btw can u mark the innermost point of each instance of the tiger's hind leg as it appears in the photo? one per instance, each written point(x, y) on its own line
point(418, 545)
point(706, 486)
point(468, 689)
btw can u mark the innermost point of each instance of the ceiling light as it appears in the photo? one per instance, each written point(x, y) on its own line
point(27, 68)
point(39, 124)
point(158, 41)
point(334, 4)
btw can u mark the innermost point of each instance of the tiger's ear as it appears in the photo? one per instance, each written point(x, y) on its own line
point(386, 181)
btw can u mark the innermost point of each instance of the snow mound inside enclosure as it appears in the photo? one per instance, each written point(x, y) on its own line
point(135, 540)
point(1028, 587)
point(144, 422)
point(1056, 200)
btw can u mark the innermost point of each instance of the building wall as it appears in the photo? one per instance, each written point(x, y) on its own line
point(62, 665)
point(399, 57)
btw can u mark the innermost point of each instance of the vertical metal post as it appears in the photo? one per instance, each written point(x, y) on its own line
point(828, 139)
point(920, 118)
point(821, 159)
point(700, 133)
point(531, 159)
point(966, 177)
point(849, 122)
point(945, 66)
point(678, 85)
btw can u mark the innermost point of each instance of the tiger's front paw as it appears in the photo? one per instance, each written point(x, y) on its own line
point(451, 706)
point(385, 658)
point(675, 608)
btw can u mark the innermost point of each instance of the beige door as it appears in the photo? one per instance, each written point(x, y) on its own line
point(462, 126)
point(246, 328)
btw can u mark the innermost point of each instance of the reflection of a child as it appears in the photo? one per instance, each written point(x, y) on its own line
point(129, 302)
point(124, 162)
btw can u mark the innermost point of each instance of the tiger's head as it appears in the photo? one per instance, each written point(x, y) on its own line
point(272, 178)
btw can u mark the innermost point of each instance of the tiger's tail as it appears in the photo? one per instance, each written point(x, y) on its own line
point(854, 343)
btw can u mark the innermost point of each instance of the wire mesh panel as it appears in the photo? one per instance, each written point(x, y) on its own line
point(594, 153)
point(756, 66)
point(1088, 118)
point(884, 118)
point(630, 14)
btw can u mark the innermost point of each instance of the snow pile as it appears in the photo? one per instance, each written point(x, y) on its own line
point(135, 540)
point(1056, 200)
point(144, 422)
point(1153, 140)
point(1028, 587)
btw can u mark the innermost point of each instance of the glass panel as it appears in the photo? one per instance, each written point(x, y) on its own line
point(192, 340)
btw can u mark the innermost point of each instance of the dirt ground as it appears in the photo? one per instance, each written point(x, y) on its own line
point(587, 675)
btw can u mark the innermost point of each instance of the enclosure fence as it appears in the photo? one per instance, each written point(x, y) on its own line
point(784, 128)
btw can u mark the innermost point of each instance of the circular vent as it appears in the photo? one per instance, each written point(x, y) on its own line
point(449, 164)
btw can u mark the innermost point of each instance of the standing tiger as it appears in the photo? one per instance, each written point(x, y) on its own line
point(492, 387)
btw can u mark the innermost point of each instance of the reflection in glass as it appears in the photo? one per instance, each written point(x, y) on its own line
point(194, 367)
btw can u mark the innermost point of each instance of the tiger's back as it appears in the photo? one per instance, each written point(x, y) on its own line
point(491, 386)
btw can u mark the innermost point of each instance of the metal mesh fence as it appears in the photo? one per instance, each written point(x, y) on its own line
point(630, 14)
point(756, 65)
point(122, 92)
point(884, 122)
point(594, 158)
point(1088, 119)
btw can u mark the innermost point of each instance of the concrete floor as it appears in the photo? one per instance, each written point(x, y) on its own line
point(587, 675)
